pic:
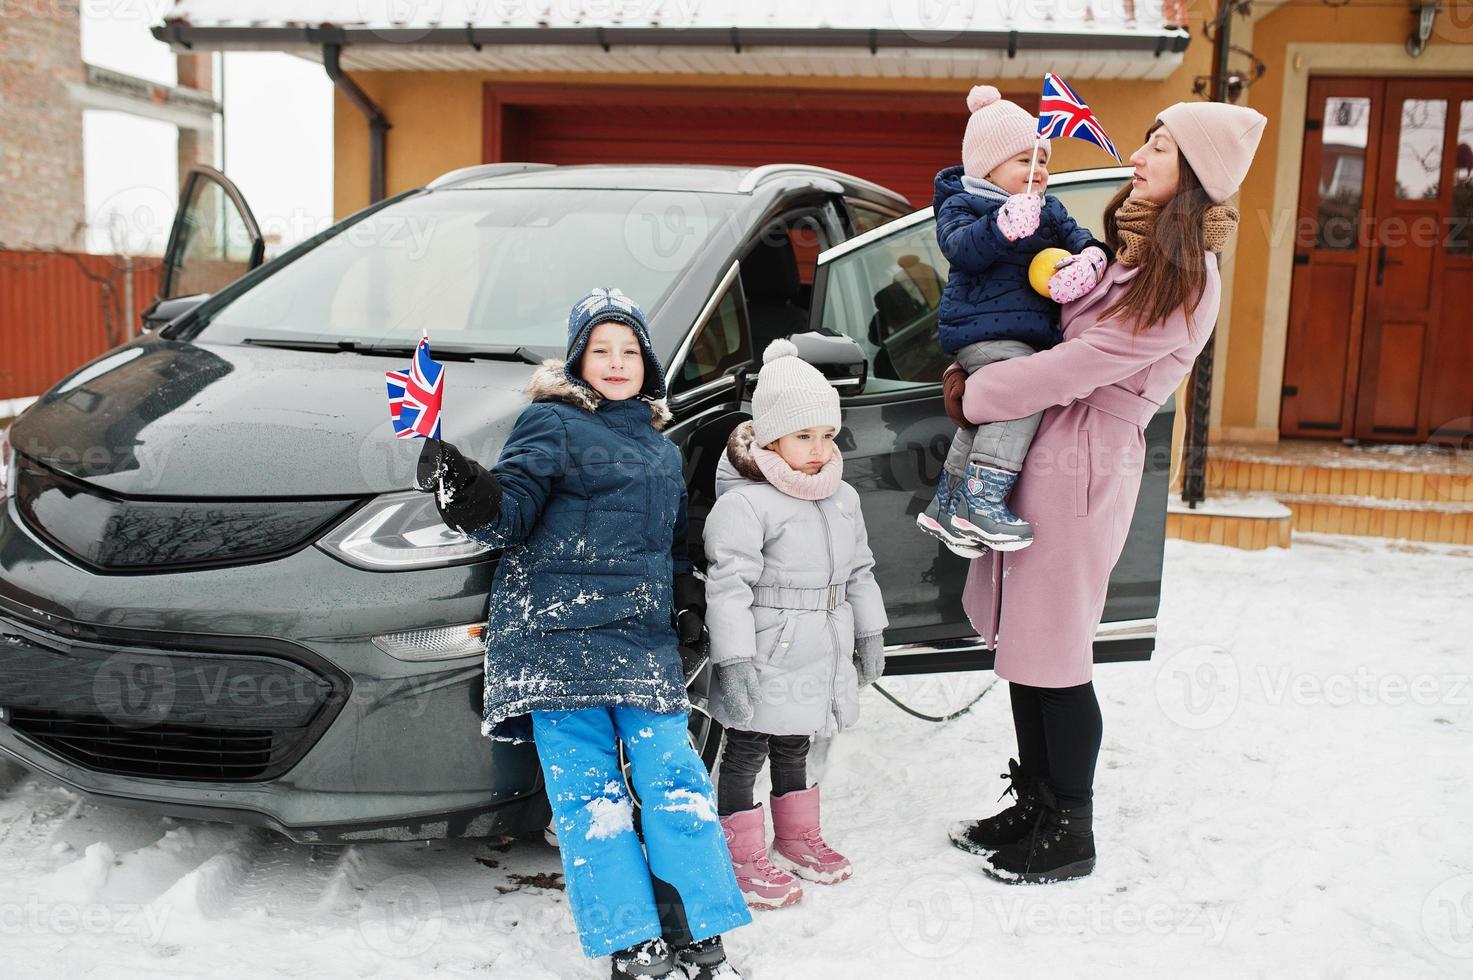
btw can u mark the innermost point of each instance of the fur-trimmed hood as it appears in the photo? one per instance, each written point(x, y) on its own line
point(550, 383)
point(739, 450)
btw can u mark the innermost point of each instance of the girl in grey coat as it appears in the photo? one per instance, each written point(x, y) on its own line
point(795, 618)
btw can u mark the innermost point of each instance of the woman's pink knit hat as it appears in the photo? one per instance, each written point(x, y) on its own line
point(1217, 139)
point(997, 130)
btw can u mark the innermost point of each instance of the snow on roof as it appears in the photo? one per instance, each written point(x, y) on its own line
point(1025, 16)
point(967, 39)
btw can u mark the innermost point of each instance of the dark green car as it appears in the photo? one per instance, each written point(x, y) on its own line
point(219, 595)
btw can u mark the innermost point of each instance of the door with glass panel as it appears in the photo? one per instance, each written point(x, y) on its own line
point(1380, 344)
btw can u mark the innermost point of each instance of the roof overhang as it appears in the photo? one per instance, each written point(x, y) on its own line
point(991, 43)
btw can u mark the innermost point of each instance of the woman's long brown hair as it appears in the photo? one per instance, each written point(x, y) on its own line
point(1174, 269)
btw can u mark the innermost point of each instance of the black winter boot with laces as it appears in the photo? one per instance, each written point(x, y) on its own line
point(1061, 846)
point(1008, 827)
point(705, 960)
point(651, 958)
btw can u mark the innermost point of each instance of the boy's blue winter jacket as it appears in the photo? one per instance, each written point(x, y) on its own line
point(987, 294)
point(593, 523)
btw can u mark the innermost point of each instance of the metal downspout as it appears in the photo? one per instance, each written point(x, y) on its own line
point(378, 123)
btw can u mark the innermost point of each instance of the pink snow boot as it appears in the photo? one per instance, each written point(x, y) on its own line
point(798, 844)
point(762, 885)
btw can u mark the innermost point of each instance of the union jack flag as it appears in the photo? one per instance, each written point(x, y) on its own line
point(415, 395)
point(1061, 112)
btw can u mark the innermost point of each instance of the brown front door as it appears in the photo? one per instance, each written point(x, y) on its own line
point(1381, 315)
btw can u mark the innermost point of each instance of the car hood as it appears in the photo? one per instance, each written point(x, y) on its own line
point(176, 419)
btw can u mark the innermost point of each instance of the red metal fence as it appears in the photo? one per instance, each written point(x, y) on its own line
point(59, 310)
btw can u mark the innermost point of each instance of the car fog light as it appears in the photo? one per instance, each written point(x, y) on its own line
point(438, 643)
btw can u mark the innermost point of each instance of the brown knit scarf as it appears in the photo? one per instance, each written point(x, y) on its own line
point(1136, 220)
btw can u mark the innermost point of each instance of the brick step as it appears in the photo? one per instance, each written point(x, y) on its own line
point(1425, 477)
point(1449, 522)
point(1248, 521)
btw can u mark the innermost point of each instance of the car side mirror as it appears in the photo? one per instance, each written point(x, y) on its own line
point(838, 357)
point(165, 310)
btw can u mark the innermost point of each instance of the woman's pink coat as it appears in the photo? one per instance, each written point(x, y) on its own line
point(1097, 390)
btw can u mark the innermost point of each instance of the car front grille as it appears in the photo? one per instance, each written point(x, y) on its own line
point(227, 709)
point(164, 750)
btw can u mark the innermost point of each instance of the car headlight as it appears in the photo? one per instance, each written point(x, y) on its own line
point(436, 643)
point(400, 531)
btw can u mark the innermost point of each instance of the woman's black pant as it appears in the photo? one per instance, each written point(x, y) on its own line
point(1059, 731)
point(741, 761)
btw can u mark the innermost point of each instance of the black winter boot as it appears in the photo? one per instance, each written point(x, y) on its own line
point(705, 960)
point(1008, 827)
point(651, 958)
point(1061, 847)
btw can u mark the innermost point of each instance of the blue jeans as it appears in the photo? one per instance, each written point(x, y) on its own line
point(679, 881)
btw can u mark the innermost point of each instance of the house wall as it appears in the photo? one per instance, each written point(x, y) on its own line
point(1295, 42)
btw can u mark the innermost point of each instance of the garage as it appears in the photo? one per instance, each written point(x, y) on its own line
point(898, 141)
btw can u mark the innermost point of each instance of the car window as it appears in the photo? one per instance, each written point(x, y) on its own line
point(216, 244)
point(867, 216)
point(886, 294)
point(1086, 202)
point(486, 266)
point(720, 347)
point(777, 275)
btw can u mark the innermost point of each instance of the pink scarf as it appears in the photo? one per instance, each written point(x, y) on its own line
point(804, 486)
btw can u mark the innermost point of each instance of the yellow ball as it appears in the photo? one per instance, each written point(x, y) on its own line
point(1042, 267)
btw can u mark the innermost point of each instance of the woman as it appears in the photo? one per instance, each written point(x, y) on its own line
point(1127, 345)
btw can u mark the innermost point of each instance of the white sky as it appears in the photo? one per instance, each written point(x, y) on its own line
point(278, 146)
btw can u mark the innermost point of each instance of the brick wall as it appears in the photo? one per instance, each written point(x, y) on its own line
point(42, 197)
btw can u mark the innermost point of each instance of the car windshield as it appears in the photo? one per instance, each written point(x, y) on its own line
point(477, 268)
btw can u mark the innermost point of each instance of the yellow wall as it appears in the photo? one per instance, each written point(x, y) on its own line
point(436, 116)
point(1271, 35)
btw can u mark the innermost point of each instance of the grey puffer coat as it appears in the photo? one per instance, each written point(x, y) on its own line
point(790, 586)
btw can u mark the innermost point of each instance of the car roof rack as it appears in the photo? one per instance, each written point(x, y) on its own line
point(481, 171)
point(773, 171)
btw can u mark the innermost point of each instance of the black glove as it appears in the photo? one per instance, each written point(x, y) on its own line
point(690, 622)
point(466, 494)
point(690, 609)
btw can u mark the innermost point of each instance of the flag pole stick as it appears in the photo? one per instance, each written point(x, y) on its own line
point(1033, 162)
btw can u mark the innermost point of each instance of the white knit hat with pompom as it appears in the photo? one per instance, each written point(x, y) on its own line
point(791, 395)
point(998, 129)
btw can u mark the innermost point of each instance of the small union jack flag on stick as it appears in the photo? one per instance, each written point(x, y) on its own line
point(415, 395)
point(1061, 112)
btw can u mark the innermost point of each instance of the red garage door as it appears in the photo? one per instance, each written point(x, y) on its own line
point(896, 140)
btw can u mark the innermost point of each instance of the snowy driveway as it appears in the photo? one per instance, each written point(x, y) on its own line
point(1285, 789)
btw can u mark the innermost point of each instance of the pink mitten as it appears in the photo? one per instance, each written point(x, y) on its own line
point(1018, 217)
point(1076, 275)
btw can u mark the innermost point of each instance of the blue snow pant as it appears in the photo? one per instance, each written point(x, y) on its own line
point(679, 882)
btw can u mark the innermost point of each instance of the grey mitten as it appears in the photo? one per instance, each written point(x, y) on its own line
point(740, 691)
point(869, 658)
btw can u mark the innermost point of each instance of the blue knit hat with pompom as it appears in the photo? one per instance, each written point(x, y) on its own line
point(608, 303)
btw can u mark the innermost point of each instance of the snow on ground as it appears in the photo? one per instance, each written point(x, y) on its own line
point(1284, 789)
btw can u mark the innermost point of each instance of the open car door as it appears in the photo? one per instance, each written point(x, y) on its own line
point(214, 241)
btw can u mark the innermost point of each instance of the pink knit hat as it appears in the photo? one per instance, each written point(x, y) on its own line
point(1217, 139)
point(997, 130)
